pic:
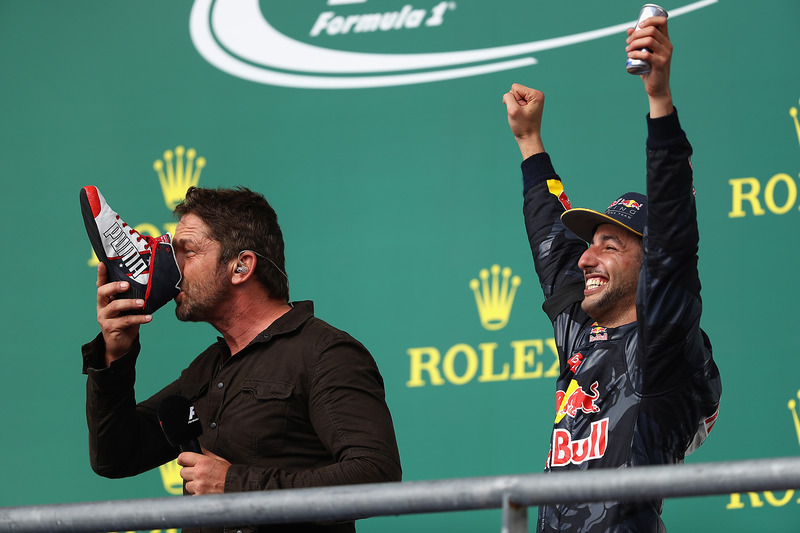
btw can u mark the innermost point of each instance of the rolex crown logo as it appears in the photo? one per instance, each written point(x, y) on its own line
point(171, 477)
point(178, 171)
point(495, 297)
point(793, 408)
point(793, 112)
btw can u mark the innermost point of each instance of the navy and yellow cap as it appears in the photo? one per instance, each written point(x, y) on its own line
point(628, 211)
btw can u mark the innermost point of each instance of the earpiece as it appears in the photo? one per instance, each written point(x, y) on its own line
point(242, 268)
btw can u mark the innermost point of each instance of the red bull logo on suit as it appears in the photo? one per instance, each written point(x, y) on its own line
point(568, 403)
point(571, 403)
point(598, 333)
point(565, 450)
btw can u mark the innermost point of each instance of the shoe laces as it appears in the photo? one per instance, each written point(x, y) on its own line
point(149, 241)
point(149, 244)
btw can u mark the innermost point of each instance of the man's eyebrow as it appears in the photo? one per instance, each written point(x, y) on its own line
point(608, 237)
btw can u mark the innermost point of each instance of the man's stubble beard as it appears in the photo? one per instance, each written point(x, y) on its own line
point(200, 302)
point(611, 300)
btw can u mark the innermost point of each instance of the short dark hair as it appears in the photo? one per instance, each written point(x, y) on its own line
point(241, 219)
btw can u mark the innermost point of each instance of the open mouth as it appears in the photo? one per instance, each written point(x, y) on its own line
point(595, 283)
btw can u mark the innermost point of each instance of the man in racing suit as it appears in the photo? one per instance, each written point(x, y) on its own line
point(638, 385)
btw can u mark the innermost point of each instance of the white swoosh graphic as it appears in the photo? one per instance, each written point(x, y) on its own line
point(234, 36)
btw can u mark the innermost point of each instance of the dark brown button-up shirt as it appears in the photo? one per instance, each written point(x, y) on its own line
point(301, 406)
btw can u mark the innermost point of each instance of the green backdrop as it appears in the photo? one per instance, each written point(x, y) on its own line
point(388, 158)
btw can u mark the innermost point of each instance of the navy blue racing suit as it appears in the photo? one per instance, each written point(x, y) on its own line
point(644, 393)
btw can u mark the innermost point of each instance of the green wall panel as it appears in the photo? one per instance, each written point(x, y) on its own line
point(394, 193)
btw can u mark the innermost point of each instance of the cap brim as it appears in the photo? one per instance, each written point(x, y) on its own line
point(583, 222)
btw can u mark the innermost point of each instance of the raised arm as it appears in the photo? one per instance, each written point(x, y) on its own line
point(525, 107)
point(651, 43)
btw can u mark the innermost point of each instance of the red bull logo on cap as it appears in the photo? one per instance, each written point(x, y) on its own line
point(632, 203)
point(627, 203)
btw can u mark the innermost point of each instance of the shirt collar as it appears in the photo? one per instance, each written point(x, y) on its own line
point(599, 333)
point(292, 320)
point(287, 323)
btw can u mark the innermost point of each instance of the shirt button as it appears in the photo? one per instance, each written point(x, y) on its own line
point(213, 425)
point(220, 385)
point(266, 336)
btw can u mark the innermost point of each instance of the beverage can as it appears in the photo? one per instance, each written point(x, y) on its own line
point(640, 66)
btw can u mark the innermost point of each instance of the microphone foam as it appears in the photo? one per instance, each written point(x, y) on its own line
point(179, 422)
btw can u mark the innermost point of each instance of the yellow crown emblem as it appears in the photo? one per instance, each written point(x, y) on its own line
point(171, 477)
point(177, 172)
point(793, 112)
point(793, 407)
point(495, 297)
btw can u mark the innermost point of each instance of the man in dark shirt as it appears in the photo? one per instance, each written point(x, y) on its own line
point(285, 399)
point(638, 384)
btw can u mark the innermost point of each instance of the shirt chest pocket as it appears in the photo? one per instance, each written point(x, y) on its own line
point(263, 407)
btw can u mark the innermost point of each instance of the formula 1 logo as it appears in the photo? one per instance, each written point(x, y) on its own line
point(236, 37)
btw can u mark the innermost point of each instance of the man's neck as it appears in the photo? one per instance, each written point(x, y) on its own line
point(617, 320)
point(246, 318)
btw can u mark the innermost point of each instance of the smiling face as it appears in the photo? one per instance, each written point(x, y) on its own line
point(204, 286)
point(611, 269)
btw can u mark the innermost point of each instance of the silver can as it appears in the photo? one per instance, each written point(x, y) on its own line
point(640, 66)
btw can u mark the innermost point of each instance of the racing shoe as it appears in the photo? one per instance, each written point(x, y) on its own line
point(147, 263)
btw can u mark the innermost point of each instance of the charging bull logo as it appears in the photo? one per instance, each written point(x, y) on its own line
point(598, 333)
point(632, 203)
point(564, 449)
point(627, 203)
point(576, 399)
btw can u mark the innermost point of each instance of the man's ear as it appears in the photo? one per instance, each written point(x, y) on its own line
point(245, 264)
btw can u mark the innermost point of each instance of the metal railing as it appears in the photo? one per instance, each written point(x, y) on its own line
point(512, 494)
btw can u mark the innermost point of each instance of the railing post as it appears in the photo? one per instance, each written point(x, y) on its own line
point(515, 517)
